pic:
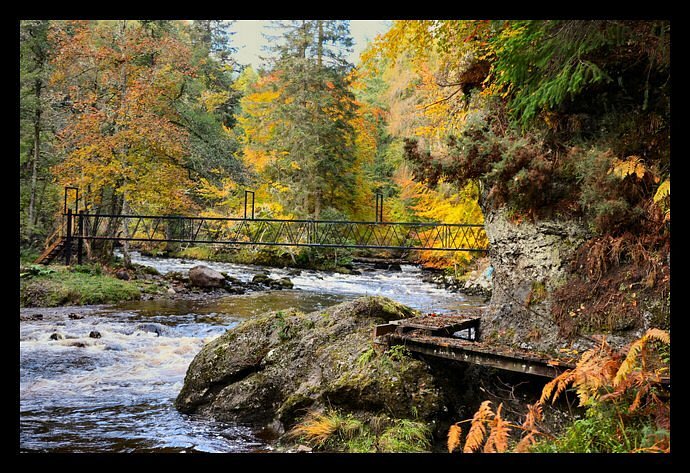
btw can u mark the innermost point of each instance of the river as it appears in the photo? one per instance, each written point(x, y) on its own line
point(113, 390)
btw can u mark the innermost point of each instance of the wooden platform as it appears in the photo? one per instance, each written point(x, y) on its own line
point(481, 354)
point(434, 336)
point(437, 336)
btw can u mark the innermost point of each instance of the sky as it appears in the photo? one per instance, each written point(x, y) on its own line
point(249, 39)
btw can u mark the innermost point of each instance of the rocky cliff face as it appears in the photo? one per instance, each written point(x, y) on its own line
point(529, 261)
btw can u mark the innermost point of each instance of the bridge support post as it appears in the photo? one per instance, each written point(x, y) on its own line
point(80, 241)
point(68, 238)
point(76, 198)
point(245, 203)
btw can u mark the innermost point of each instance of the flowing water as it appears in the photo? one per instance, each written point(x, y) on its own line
point(104, 378)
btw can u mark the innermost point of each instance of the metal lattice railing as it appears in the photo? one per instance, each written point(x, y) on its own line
point(281, 232)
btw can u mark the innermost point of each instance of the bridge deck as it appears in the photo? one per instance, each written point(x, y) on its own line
point(281, 232)
point(433, 336)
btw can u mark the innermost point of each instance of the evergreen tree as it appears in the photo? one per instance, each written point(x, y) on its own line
point(34, 72)
point(314, 134)
point(210, 104)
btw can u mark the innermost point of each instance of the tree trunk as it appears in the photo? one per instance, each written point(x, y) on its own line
point(123, 109)
point(319, 45)
point(317, 204)
point(305, 40)
point(125, 243)
point(37, 155)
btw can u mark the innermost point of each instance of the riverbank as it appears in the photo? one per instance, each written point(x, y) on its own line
point(57, 285)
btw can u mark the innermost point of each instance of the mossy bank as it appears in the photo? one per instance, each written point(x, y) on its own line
point(56, 285)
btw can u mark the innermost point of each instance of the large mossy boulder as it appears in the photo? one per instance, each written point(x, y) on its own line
point(278, 366)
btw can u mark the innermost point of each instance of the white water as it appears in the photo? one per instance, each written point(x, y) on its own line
point(115, 393)
point(404, 286)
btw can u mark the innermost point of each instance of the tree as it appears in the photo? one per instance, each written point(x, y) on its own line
point(313, 113)
point(117, 87)
point(34, 72)
point(208, 108)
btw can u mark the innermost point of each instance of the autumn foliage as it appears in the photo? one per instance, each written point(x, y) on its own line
point(625, 386)
point(120, 86)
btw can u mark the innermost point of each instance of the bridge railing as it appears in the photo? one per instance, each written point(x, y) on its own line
point(284, 232)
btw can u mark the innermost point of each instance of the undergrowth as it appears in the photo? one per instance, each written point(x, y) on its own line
point(627, 408)
point(611, 280)
point(334, 431)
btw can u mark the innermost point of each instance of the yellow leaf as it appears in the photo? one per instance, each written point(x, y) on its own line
point(625, 168)
point(663, 190)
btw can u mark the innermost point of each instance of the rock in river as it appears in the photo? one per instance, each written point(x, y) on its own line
point(261, 279)
point(203, 276)
point(277, 366)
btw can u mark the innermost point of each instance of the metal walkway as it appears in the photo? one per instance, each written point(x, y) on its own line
point(80, 226)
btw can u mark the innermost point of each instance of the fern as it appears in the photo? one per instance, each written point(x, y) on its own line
point(454, 434)
point(534, 415)
point(497, 442)
point(601, 381)
point(629, 363)
point(477, 431)
point(525, 443)
point(663, 191)
point(644, 389)
point(595, 369)
point(556, 386)
point(628, 167)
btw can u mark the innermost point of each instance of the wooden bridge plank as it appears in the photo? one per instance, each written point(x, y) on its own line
point(473, 352)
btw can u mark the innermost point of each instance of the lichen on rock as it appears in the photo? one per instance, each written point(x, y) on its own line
point(279, 366)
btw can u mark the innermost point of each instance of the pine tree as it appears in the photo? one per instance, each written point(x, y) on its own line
point(34, 71)
point(314, 134)
point(208, 110)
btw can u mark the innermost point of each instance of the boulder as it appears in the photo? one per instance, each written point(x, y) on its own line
point(235, 289)
point(262, 279)
point(234, 281)
point(285, 283)
point(122, 274)
point(275, 367)
point(158, 329)
point(282, 283)
point(177, 276)
point(203, 276)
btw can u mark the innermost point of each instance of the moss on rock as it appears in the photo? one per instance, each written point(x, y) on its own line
point(280, 365)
